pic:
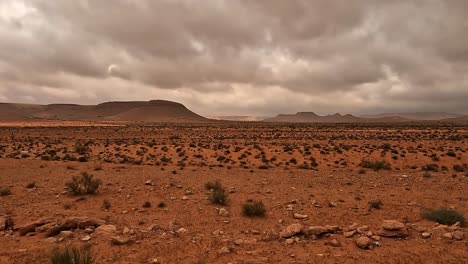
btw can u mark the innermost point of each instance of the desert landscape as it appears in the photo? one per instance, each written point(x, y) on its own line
point(211, 191)
point(233, 132)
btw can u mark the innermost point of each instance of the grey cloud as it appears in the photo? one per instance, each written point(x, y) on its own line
point(323, 55)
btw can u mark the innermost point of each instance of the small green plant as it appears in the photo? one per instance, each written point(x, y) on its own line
point(254, 209)
point(427, 175)
point(430, 167)
point(106, 204)
point(375, 165)
point(81, 148)
point(219, 196)
point(5, 191)
point(458, 168)
point(83, 185)
point(445, 216)
point(31, 185)
point(71, 255)
point(213, 185)
point(377, 204)
point(451, 154)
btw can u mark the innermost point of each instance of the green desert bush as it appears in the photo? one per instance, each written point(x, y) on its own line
point(430, 167)
point(459, 168)
point(375, 165)
point(445, 216)
point(376, 204)
point(83, 185)
point(5, 191)
point(213, 185)
point(71, 255)
point(253, 209)
point(218, 196)
point(106, 204)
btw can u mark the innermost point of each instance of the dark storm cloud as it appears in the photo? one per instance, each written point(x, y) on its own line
point(239, 57)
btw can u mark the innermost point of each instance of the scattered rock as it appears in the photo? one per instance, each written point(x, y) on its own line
point(148, 182)
point(155, 227)
point(119, 241)
point(363, 229)
point(270, 235)
point(393, 234)
point(292, 230)
point(51, 240)
point(426, 235)
point(393, 228)
point(86, 238)
point(67, 234)
point(106, 230)
point(44, 228)
point(299, 216)
point(440, 228)
point(447, 235)
point(24, 230)
point(350, 234)
point(316, 230)
point(455, 226)
point(364, 242)
point(225, 250)
point(72, 223)
point(392, 225)
point(223, 212)
point(181, 231)
point(332, 229)
point(334, 243)
point(458, 235)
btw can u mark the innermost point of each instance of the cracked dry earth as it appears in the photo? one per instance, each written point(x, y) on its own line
point(308, 177)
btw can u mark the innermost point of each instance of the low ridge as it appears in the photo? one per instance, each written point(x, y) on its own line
point(147, 111)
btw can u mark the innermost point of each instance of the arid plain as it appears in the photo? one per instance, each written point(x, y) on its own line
point(332, 193)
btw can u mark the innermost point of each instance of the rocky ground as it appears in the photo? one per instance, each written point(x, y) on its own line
point(322, 204)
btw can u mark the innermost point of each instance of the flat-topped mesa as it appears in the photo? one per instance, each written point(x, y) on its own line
point(306, 114)
point(166, 103)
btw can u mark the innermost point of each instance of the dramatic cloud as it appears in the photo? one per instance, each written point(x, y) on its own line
point(239, 57)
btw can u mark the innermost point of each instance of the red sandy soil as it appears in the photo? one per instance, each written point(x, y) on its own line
point(177, 160)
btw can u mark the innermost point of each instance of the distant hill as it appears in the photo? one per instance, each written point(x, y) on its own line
point(238, 118)
point(152, 111)
point(304, 117)
point(310, 117)
point(417, 115)
point(456, 119)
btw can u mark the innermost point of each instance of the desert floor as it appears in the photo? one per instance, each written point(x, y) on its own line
point(304, 174)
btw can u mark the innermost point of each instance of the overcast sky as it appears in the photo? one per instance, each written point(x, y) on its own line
point(239, 57)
